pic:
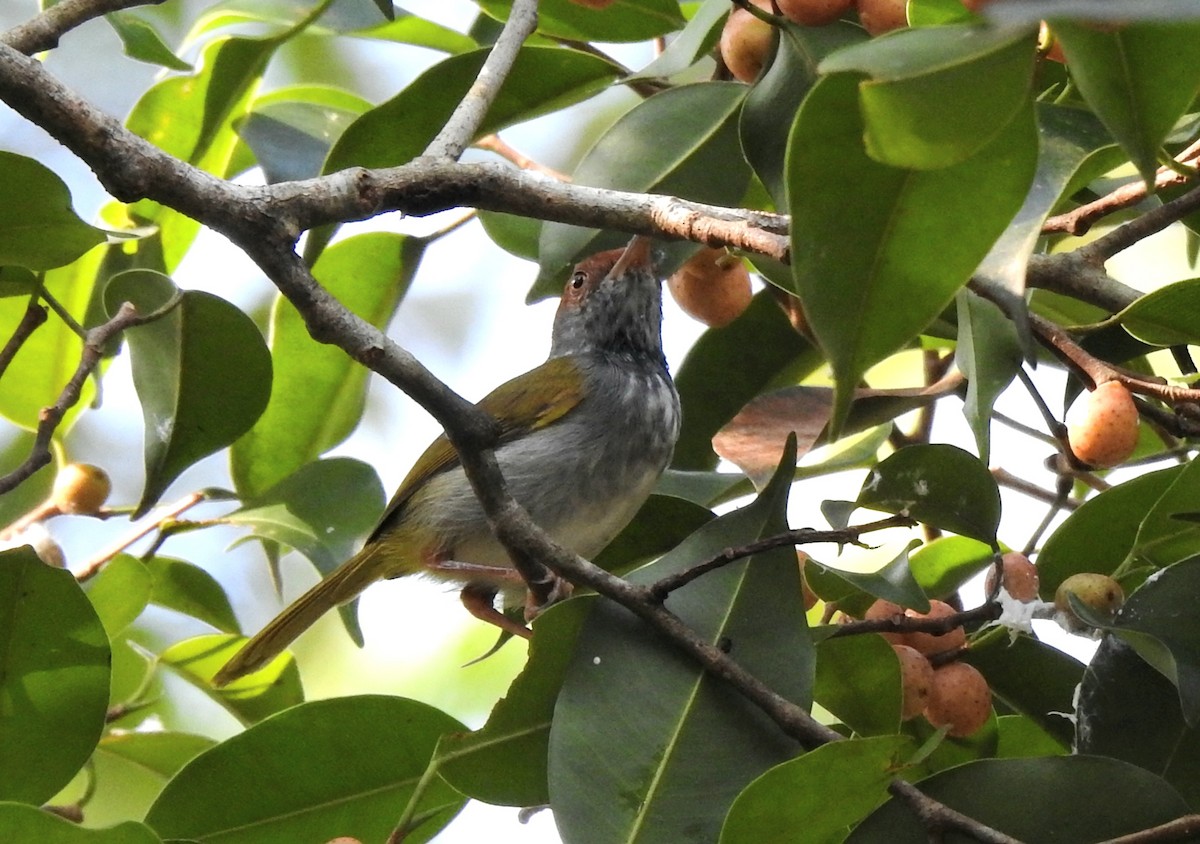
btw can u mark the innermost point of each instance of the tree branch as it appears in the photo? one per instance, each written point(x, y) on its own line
point(938, 818)
point(468, 115)
point(43, 31)
point(33, 317)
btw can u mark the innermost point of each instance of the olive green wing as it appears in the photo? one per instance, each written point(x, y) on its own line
point(528, 402)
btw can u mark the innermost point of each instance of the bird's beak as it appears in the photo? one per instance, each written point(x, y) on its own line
point(636, 254)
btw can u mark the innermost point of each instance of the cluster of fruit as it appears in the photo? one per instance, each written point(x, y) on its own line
point(952, 695)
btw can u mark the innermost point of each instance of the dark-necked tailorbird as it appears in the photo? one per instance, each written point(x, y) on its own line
point(584, 438)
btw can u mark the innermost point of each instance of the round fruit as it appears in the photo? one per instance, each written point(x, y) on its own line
point(712, 286)
point(1098, 592)
point(1105, 431)
point(881, 610)
point(880, 16)
point(936, 643)
point(814, 12)
point(959, 698)
point(746, 43)
point(916, 680)
point(80, 488)
point(1020, 579)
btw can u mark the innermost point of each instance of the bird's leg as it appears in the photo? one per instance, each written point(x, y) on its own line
point(479, 599)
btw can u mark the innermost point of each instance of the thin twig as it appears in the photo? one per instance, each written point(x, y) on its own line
point(43, 31)
point(911, 624)
point(1140, 228)
point(663, 587)
point(1008, 479)
point(494, 143)
point(151, 523)
point(1079, 220)
point(35, 315)
point(468, 115)
point(938, 818)
point(1185, 828)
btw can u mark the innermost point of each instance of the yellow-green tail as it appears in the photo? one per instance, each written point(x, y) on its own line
point(347, 581)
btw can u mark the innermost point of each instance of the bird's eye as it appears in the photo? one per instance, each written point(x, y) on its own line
point(578, 280)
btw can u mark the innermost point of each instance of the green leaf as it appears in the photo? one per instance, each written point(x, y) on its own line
point(645, 744)
point(291, 131)
point(1162, 609)
point(623, 20)
point(1166, 534)
point(29, 823)
point(938, 485)
point(817, 795)
point(766, 118)
point(1020, 737)
point(1167, 316)
point(871, 240)
point(727, 367)
point(699, 159)
point(143, 42)
point(1026, 797)
point(202, 373)
point(1136, 77)
point(1030, 677)
point(38, 228)
point(160, 753)
point(946, 563)
point(190, 590)
point(693, 43)
point(504, 762)
point(989, 354)
point(936, 96)
point(54, 677)
point(858, 680)
point(249, 699)
point(407, 28)
point(369, 274)
point(322, 511)
point(49, 357)
point(515, 235)
point(357, 763)
point(1129, 711)
point(119, 593)
point(1102, 532)
point(663, 522)
point(854, 591)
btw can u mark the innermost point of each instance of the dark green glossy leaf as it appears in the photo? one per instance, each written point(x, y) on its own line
point(292, 130)
point(1026, 797)
point(189, 589)
point(663, 522)
point(504, 762)
point(249, 699)
point(772, 102)
point(817, 795)
point(1030, 677)
point(858, 680)
point(939, 485)
point(38, 227)
point(1167, 316)
point(515, 235)
point(1161, 614)
point(623, 20)
point(369, 274)
point(1164, 537)
point(935, 96)
point(17, 281)
point(699, 159)
point(119, 593)
point(29, 823)
point(690, 45)
point(688, 743)
point(1101, 534)
point(1129, 711)
point(378, 746)
point(54, 677)
point(871, 240)
point(1136, 77)
point(143, 42)
point(989, 353)
point(202, 373)
point(727, 367)
point(854, 591)
point(703, 488)
point(1020, 737)
point(322, 511)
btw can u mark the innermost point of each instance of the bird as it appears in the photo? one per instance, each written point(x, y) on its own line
point(583, 439)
